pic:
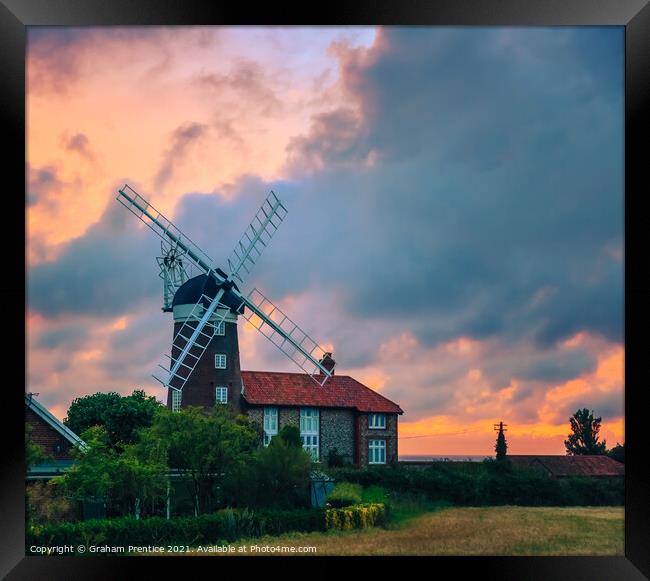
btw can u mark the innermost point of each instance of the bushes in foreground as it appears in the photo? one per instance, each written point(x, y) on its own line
point(358, 516)
point(224, 526)
point(487, 484)
point(221, 527)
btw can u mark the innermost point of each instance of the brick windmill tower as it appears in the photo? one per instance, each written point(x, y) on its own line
point(204, 367)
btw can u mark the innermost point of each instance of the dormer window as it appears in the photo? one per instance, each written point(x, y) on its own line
point(377, 421)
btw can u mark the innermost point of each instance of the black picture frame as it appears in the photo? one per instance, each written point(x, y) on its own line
point(633, 15)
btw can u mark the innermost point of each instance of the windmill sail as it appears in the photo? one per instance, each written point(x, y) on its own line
point(164, 228)
point(278, 328)
point(256, 237)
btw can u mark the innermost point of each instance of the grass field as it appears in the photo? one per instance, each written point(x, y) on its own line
point(504, 530)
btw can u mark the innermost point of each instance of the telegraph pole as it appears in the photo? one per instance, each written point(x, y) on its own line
point(501, 447)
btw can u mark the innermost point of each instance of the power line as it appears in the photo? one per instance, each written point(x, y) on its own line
point(435, 435)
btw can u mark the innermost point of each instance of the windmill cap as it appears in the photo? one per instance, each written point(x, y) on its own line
point(191, 291)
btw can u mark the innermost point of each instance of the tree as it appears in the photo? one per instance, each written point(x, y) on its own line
point(617, 453)
point(280, 474)
point(207, 447)
point(124, 479)
point(584, 437)
point(501, 447)
point(121, 416)
point(291, 435)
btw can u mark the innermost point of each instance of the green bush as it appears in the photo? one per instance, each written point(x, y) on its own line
point(225, 525)
point(358, 516)
point(375, 495)
point(344, 494)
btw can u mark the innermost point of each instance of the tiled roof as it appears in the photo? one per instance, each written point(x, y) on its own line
point(278, 388)
point(595, 465)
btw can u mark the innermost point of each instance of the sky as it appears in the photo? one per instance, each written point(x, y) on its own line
point(455, 211)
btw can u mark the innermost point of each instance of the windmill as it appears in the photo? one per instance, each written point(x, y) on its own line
point(204, 306)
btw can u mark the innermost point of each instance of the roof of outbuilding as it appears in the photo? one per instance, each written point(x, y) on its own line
point(46, 415)
point(298, 389)
point(590, 465)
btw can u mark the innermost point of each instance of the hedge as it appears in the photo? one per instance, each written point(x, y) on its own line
point(223, 526)
point(358, 516)
point(488, 484)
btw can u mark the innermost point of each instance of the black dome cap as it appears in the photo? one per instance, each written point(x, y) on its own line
point(190, 293)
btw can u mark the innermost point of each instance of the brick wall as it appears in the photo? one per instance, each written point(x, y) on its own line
point(200, 388)
point(47, 437)
point(389, 435)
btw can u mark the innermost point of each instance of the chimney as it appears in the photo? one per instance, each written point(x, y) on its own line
point(327, 362)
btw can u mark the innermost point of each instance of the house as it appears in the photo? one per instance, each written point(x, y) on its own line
point(55, 439)
point(343, 413)
point(593, 466)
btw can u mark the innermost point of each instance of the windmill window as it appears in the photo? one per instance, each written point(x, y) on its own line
point(221, 394)
point(220, 329)
point(176, 400)
point(220, 361)
point(377, 421)
point(270, 424)
point(309, 431)
point(377, 452)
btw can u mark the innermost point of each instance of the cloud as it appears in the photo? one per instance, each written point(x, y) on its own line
point(182, 139)
point(108, 270)
point(138, 359)
point(248, 81)
point(493, 178)
point(79, 143)
point(62, 58)
point(42, 182)
point(71, 336)
point(334, 138)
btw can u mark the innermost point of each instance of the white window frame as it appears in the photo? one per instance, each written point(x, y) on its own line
point(270, 424)
point(377, 421)
point(219, 329)
point(217, 360)
point(376, 451)
point(310, 431)
point(219, 393)
point(177, 397)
